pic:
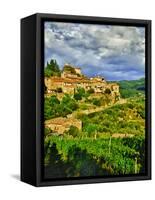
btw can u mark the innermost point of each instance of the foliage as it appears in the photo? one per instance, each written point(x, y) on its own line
point(132, 88)
point(55, 108)
point(127, 118)
point(88, 152)
point(80, 93)
point(91, 129)
point(47, 131)
point(91, 91)
point(73, 131)
point(51, 107)
point(77, 96)
point(96, 102)
point(69, 102)
point(77, 154)
point(52, 69)
point(104, 100)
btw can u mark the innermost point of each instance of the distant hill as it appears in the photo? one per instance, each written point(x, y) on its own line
point(132, 88)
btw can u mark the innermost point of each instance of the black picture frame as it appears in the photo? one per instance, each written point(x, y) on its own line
point(32, 97)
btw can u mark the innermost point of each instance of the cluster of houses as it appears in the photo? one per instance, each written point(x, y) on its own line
point(62, 124)
point(69, 82)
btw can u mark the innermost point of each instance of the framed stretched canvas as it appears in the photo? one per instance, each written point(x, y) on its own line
point(85, 99)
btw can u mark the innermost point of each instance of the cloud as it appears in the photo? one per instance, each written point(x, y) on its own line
point(115, 52)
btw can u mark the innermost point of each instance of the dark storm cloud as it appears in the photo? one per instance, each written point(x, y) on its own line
point(116, 52)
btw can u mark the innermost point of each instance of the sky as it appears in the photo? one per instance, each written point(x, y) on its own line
point(113, 52)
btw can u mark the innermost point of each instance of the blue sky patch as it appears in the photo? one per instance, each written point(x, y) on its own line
point(114, 52)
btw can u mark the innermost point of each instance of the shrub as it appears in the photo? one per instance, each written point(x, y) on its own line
point(73, 131)
point(91, 129)
point(69, 102)
point(96, 102)
point(54, 108)
point(77, 96)
point(91, 91)
point(52, 69)
point(80, 93)
point(47, 131)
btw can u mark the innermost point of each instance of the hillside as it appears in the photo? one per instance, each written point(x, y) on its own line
point(111, 142)
point(127, 118)
point(132, 88)
point(89, 129)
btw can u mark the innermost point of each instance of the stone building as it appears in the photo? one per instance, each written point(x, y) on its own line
point(69, 82)
point(65, 74)
point(70, 71)
point(78, 70)
point(60, 125)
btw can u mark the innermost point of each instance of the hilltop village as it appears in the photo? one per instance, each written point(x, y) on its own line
point(72, 78)
point(67, 82)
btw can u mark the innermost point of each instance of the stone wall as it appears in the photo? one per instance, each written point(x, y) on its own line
point(60, 125)
point(77, 70)
point(70, 82)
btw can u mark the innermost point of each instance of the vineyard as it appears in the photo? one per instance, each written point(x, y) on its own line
point(94, 151)
point(110, 140)
point(73, 157)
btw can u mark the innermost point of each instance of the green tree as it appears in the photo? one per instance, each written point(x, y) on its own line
point(51, 107)
point(47, 131)
point(53, 100)
point(55, 108)
point(91, 129)
point(97, 102)
point(52, 69)
point(77, 96)
point(69, 102)
point(74, 131)
point(80, 93)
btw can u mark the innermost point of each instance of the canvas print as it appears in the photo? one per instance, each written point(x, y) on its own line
point(94, 100)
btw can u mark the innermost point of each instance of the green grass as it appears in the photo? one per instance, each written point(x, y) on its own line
point(125, 118)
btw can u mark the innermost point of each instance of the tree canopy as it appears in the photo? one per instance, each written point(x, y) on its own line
point(52, 69)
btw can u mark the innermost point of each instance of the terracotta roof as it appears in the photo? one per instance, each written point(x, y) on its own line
point(57, 79)
point(70, 80)
point(76, 80)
